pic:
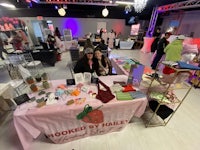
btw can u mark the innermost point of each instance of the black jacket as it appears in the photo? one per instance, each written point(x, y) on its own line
point(83, 66)
point(161, 45)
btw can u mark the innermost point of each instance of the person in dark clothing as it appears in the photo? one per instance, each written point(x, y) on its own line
point(160, 50)
point(88, 44)
point(85, 64)
point(100, 32)
point(156, 35)
point(57, 33)
point(102, 45)
point(51, 40)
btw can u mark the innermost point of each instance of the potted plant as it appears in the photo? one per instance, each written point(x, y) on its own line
point(44, 76)
point(30, 80)
point(45, 84)
point(34, 88)
point(38, 78)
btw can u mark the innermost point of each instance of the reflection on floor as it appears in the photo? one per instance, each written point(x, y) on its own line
point(182, 132)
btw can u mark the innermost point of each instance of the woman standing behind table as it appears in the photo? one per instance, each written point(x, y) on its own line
point(85, 64)
point(57, 33)
point(102, 64)
point(88, 44)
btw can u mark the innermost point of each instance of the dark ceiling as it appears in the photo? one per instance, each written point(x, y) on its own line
point(80, 11)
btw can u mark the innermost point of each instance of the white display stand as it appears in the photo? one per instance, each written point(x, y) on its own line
point(67, 34)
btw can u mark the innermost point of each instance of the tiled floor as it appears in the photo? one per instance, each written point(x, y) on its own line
point(182, 132)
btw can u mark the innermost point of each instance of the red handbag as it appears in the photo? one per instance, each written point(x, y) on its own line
point(104, 96)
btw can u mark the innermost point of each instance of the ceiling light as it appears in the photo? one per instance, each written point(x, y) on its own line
point(124, 2)
point(139, 5)
point(105, 12)
point(128, 9)
point(61, 11)
point(7, 5)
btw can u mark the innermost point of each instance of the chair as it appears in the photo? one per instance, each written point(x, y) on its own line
point(16, 59)
point(18, 79)
point(71, 67)
point(30, 63)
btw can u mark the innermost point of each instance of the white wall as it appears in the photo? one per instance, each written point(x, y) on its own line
point(189, 22)
point(81, 26)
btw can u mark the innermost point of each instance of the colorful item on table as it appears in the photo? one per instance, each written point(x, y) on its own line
point(84, 89)
point(116, 88)
point(137, 94)
point(41, 104)
point(41, 93)
point(62, 86)
point(51, 99)
point(68, 92)
point(40, 100)
point(93, 95)
point(59, 92)
point(79, 86)
point(128, 88)
point(76, 92)
point(47, 94)
point(90, 92)
point(123, 96)
point(79, 101)
point(70, 102)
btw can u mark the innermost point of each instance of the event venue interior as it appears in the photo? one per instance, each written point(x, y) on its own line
point(99, 74)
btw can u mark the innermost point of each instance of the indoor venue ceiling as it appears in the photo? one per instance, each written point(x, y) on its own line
point(84, 10)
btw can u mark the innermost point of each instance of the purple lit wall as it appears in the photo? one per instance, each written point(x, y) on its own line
point(73, 24)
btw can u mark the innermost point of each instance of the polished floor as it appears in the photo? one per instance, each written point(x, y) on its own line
point(181, 133)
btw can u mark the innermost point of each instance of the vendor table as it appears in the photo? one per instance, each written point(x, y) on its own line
point(126, 44)
point(59, 121)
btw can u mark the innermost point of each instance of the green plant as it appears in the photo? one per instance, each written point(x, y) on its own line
point(34, 88)
point(44, 76)
point(46, 84)
point(30, 80)
point(38, 78)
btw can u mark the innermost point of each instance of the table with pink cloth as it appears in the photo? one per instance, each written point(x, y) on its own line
point(117, 64)
point(147, 44)
point(59, 121)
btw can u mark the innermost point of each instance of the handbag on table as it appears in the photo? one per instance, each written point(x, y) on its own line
point(104, 95)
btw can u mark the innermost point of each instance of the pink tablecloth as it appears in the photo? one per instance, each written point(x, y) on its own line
point(59, 121)
point(147, 44)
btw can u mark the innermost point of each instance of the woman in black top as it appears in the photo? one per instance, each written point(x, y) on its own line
point(85, 64)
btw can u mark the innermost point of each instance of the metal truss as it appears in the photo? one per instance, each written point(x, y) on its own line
point(79, 2)
point(180, 5)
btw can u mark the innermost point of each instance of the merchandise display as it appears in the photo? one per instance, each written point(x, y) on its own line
point(81, 108)
point(162, 101)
